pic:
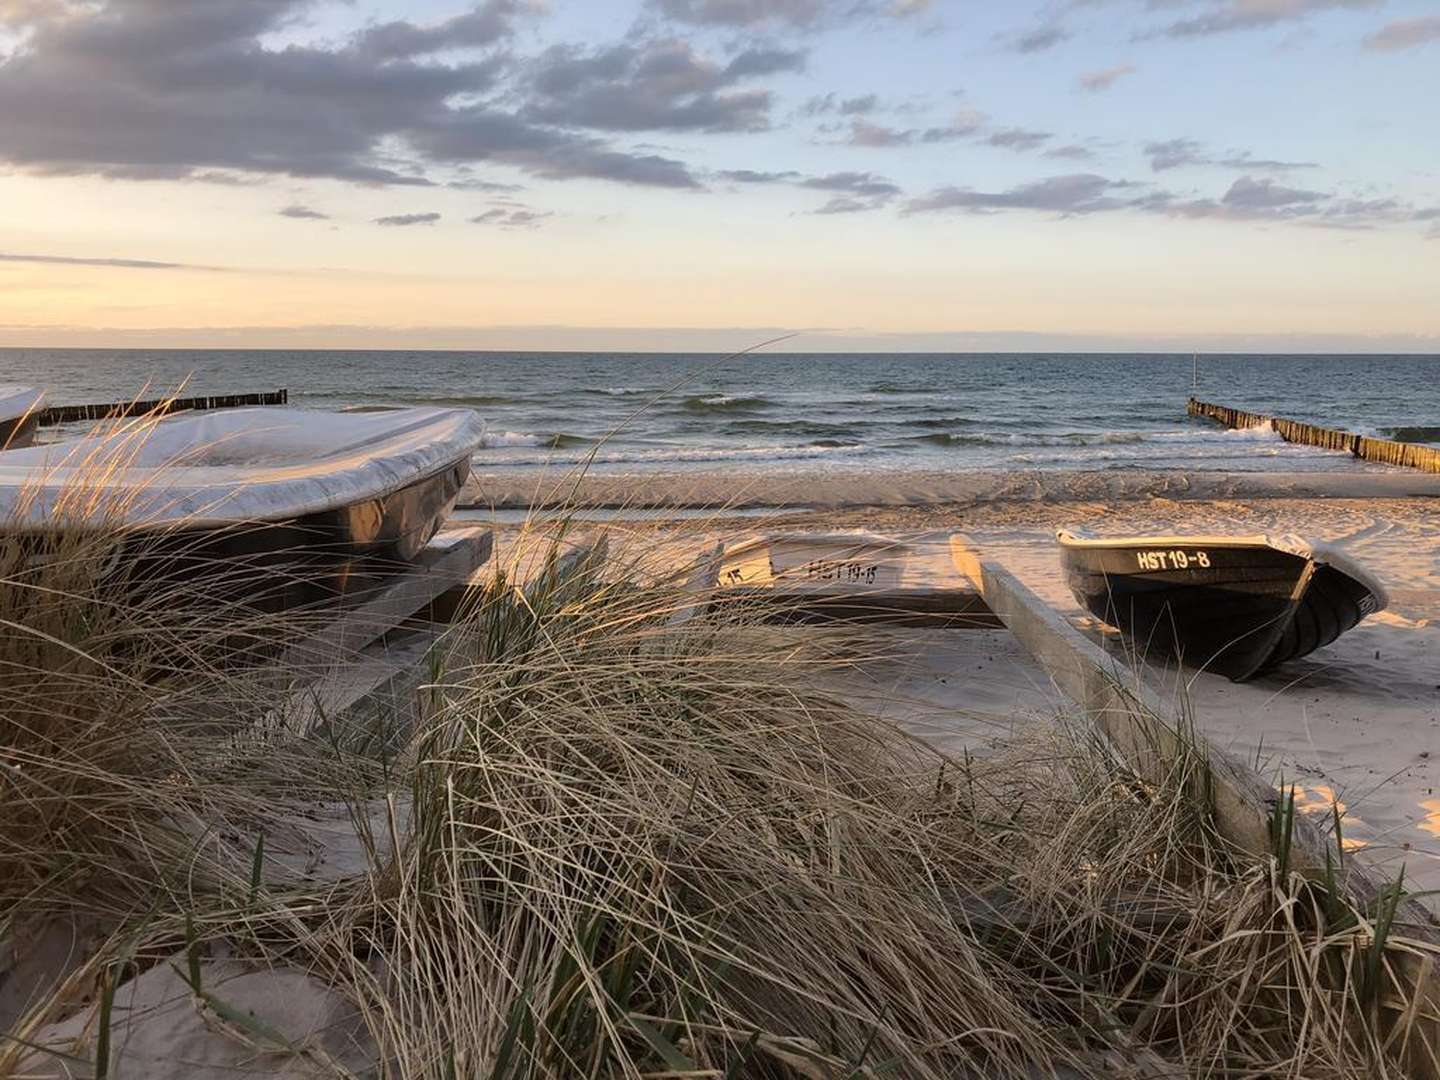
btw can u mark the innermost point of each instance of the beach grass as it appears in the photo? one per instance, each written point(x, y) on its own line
point(615, 843)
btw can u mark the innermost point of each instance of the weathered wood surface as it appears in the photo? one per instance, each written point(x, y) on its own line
point(69, 414)
point(1137, 725)
point(1382, 451)
point(860, 578)
point(336, 673)
point(376, 692)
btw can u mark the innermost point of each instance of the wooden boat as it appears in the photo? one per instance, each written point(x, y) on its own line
point(854, 577)
point(297, 501)
point(1234, 605)
point(19, 415)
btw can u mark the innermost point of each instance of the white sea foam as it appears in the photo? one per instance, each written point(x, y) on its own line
point(512, 438)
point(677, 456)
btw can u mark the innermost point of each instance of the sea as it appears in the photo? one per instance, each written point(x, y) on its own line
point(649, 412)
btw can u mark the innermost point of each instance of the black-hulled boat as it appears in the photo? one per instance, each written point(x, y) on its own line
point(1234, 605)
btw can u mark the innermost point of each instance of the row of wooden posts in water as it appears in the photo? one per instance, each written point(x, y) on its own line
point(69, 414)
point(1383, 451)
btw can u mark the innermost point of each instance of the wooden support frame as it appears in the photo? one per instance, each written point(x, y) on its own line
point(340, 671)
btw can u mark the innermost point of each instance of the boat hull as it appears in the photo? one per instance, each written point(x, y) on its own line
point(18, 431)
point(1234, 608)
point(313, 559)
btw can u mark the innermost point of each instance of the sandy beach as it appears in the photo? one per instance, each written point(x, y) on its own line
point(1357, 722)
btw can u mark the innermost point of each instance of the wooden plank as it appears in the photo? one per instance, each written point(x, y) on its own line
point(69, 414)
point(1133, 720)
point(1382, 451)
point(329, 683)
point(374, 699)
point(698, 588)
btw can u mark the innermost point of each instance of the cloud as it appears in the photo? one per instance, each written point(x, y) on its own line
point(303, 213)
point(1039, 39)
point(470, 183)
point(844, 204)
point(511, 217)
point(1019, 139)
point(868, 134)
point(863, 184)
point(1251, 194)
point(124, 264)
point(1174, 153)
point(654, 86)
point(408, 219)
point(804, 14)
point(160, 89)
point(1073, 152)
point(1248, 199)
point(852, 192)
point(743, 13)
point(752, 176)
point(1405, 34)
point(1264, 200)
point(1076, 193)
point(855, 192)
point(1179, 153)
point(1098, 81)
point(1255, 15)
point(864, 133)
point(478, 133)
point(833, 103)
point(766, 60)
point(484, 25)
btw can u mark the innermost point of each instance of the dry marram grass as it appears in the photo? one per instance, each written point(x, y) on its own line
point(617, 846)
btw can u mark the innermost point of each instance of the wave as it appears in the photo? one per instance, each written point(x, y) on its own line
point(482, 399)
point(900, 388)
point(623, 391)
point(1413, 433)
point(557, 441)
point(943, 422)
point(669, 456)
point(712, 403)
point(813, 429)
point(1106, 438)
point(1201, 438)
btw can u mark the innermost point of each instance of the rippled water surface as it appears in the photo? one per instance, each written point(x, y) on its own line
point(643, 412)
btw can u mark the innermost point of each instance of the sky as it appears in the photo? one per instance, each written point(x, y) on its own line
point(952, 175)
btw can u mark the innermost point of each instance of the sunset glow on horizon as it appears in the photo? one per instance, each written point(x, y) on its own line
point(697, 173)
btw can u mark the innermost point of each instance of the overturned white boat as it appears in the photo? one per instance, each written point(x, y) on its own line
point(248, 485)
point(19, 415)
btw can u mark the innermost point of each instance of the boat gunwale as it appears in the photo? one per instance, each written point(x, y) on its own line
point(424, 464)
point(1289, 544)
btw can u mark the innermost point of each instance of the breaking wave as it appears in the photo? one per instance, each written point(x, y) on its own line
point(557, 441)
point(721, 403)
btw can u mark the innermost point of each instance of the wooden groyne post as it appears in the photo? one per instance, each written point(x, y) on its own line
point(1383, 451)
point(69, 414)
